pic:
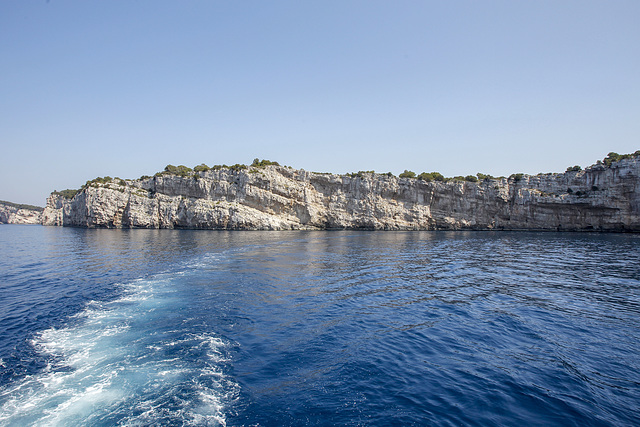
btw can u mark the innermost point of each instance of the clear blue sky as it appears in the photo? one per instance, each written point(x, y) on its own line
point(122, 88)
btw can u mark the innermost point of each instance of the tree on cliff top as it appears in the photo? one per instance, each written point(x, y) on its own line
point(181, 170)
point(407, 174)
point(432, 176)
point(615, 157)
point(262, 163)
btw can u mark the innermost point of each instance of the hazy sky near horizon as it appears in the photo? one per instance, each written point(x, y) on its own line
point(123, 88)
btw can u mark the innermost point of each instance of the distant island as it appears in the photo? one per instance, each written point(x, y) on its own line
point(268, 196)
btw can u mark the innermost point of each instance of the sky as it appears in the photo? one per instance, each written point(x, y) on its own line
point(123, 88)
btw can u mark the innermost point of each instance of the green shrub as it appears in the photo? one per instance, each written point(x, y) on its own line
point(575, 168)
point(516, 177)
point(29, 207)
point(67, 194)
point(201, 168)
point(611, 157)
point(432, 176)
point(359, 174)
point(468, 178)
point(407, 174)
point(262, 163)
point(181, 170)
point(482, 176)
point(615, 157)
point(99, 180)
point(237, 167)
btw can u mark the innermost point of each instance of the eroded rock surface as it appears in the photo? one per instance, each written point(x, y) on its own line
point(11, 213)
point(279, 198)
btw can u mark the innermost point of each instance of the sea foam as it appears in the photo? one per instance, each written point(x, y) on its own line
point(126, 362)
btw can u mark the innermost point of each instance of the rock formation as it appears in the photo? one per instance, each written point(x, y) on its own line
point(601, 197)
point(12, 213)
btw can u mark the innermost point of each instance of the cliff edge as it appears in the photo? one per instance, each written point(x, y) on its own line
point(603, 197)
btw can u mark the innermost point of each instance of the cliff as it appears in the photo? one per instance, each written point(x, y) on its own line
point(601, 197)
point(12, 213)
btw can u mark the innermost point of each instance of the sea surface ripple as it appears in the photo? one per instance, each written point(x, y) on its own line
point(177, 327)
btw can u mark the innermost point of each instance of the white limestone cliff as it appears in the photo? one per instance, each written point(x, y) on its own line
point(601, 197)
point(10, 213)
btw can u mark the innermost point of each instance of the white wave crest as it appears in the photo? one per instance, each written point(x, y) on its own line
point(119, 363)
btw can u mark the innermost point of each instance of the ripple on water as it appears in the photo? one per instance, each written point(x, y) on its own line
point(344, 328)
point(118, 362)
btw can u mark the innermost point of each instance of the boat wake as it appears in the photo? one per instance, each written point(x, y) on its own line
point(137, 360)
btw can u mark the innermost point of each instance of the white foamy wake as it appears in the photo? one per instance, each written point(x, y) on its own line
point(132, 361)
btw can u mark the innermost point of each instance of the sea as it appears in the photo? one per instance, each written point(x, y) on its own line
point(318, 328)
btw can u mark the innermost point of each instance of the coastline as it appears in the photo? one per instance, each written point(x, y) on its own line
point(604, 197)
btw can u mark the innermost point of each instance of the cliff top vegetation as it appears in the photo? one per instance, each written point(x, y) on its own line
point(615, 157)
point(185, 171)
point(21, 206)
point(68, 193)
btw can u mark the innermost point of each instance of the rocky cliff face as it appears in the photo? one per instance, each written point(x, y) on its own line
point(10, 213)
point(601, 197)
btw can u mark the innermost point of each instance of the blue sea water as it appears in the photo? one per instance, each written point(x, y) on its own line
point(166, 327)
